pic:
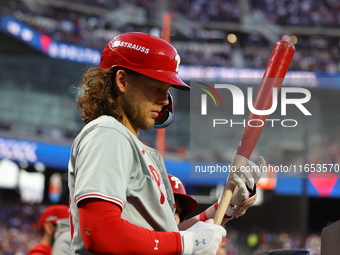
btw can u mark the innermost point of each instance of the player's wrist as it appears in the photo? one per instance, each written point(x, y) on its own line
point(203, 216)
point(208, 213)
point(187, 244)
point(242, 207)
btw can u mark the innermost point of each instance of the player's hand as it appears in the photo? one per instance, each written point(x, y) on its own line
point(202, 238)
point(244, 194)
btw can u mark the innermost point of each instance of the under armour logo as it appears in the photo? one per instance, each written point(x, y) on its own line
point(156, 247)
point(200, 242)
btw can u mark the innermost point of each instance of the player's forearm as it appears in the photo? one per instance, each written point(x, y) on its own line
point(105, 232)
point(204, 216)
point(188, 223)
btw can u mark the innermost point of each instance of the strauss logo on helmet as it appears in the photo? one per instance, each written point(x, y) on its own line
point(130, 46)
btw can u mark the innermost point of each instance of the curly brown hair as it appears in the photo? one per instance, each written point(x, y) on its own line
point(100, 95)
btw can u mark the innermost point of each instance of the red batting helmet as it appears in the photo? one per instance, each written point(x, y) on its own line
point(53, 213)
point(188, 203)
point(145, 54)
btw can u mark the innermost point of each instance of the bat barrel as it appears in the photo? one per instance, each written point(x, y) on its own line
point(273, 77)
point(280, 59)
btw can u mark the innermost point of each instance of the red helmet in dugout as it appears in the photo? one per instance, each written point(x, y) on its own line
point(188, 203)
point(145, 54)
point(53, 213)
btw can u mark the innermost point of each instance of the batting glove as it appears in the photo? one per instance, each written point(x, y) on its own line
point(244, 195)
point(202, 238)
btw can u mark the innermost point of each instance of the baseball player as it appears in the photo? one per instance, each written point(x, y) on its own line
point(48, 226)
point(62, 239)
point(121, 198)
point(185, 204)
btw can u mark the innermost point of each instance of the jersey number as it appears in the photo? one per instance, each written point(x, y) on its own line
point(157, 178)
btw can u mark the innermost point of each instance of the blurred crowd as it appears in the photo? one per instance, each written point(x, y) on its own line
point(43, 134)
point(74, 22)
point(287, 12)
point(19, 233)
point(214, 10)
point(329, 156)
point(18, 227)
point(308, 58)
point(302, 12)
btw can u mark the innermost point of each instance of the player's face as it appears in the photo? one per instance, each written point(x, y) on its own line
point(221, 250)
point(178, 212)
point(142, 101)
point(177, 219)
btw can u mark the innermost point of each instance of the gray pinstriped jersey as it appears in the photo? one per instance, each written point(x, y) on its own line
point(109, 162)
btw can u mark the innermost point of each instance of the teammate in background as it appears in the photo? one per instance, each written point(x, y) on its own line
point(48, 226)
point(185, 205)
point(121, 199)
point(62, 238)
point(222, 249)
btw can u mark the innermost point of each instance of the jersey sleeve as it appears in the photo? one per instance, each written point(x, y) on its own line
point(105, 232)
point(102, 167)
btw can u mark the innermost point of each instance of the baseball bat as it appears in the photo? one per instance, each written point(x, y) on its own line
point(273, 77)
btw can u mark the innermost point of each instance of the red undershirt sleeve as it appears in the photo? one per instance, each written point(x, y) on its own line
point(104, 232)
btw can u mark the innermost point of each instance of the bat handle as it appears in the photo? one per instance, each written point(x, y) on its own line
point(224, 202)
point(228, 189)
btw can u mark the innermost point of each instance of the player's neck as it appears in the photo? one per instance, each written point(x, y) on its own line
point(125, 121)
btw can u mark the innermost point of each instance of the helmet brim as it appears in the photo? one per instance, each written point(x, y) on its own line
point(188, 204)
point(165, 76)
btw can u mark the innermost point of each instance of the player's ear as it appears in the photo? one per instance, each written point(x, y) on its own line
point(121, 80)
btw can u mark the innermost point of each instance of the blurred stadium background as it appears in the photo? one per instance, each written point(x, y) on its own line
point(46, 45)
